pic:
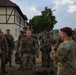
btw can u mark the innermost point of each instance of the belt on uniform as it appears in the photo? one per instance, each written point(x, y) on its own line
point(28, 52)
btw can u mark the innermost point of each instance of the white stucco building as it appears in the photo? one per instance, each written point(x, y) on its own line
point(11, 17)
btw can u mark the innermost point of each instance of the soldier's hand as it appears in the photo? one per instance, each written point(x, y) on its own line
point(35, 55)
point(53, 47)
point(20, 55)
point(6, 53)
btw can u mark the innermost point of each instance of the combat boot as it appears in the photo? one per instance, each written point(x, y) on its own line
point(5, 71)
point(3, 68)
point(10, 65)
point(19, 68)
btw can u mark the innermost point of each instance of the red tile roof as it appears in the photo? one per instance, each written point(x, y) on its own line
point(8, 3)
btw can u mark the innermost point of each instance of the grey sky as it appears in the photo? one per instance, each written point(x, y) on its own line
point(65, 10)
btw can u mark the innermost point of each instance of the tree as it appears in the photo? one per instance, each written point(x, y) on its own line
point(46, 19)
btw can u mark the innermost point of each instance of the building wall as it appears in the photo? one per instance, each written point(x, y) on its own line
point(6, 15)
point(2, 15)
point(14, 30)
point(18, 19)
point(11, 19)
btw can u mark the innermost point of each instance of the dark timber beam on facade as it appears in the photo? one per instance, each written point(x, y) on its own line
point(14, 14)
point(9, 15)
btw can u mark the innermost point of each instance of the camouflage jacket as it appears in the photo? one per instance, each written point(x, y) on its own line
point(58, 40)
point(3, 44)
point(46, 42)
point(41, 35)
point(19, 40)
point(65, 57)
point(28, 45)
point(10, 40)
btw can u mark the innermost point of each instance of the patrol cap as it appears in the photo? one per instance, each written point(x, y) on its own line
point(67, 30)
point(24, 27)
point(7, 29)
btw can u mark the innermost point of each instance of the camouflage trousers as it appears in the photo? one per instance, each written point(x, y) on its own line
point(10, 53)
point(2, 56)
point(65, 71)
point(27, 61)
point(45, 59)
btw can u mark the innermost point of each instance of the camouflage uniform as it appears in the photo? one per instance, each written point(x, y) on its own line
point(3, 50)
point(39, 38)
point(28, 50)
point(19, 40)
point(37, 47)
point(45, 50)
point(41, 35)
point(65, 58)
point(74, 37)
point(18, 47)
point(10, 42)
point(58, 40)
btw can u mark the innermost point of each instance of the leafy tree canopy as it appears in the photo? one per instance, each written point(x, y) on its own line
point(46, 19)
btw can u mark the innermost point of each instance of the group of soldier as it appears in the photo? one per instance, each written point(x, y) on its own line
point(58, 51)
point(27, 49)
point(6, 49)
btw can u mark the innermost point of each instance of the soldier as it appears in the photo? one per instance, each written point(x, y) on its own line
point(57, 39)
point(3, 51)
point(37, 47)
point(42, 34)
point(46, 42)
point(65, 57)
point(10, 42)
point(74, 36)
point(28, 50)
point(22, 35)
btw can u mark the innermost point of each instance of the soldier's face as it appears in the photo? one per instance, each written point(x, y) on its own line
point(47, 34)
point(0, 33)
point(24, 30)
point(7, 32)
point(62, 35)
point(59, 32)
point(28, 34)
